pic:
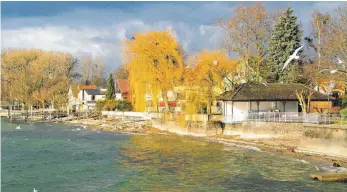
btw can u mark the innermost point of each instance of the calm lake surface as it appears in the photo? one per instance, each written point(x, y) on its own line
point(53, 157)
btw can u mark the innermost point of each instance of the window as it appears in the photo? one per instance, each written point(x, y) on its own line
point(93, 97)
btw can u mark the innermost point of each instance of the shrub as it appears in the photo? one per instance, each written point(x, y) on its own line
point(343, 113)
point(110, 105)
point(124, 105)
point(99, 105)
point(344, 102)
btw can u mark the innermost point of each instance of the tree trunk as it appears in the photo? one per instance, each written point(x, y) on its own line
point(209, 106)
point(258, 75)
point(166, 101)
point(68, 109)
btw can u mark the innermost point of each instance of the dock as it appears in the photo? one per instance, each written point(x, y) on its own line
point(330, 176)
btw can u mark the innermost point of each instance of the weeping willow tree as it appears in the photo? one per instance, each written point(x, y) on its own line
point(154, 62)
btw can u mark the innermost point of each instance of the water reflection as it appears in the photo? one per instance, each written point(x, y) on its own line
point(191, 164)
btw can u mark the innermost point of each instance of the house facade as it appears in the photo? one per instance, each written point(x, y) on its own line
point(172, 102)
point(122, 89)
point(272, 97)
point(88, 97)
point(84, 97)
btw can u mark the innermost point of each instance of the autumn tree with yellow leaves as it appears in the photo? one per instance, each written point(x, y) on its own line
point(154, 62)
point(36, 77)
point(205, 78)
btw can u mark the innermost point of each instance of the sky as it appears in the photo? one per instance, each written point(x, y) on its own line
point(97, 28)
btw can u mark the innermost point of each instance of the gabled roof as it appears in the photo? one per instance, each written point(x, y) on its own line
point(122, 85)
point(85, 87)
point(95, 92)
point(76, 88)
point(270, 92)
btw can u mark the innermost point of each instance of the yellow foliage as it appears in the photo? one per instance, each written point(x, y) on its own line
point(154, 64)
point(205, 78)
point(35, 76)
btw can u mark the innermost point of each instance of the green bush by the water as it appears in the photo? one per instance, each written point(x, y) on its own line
point(124, 105)
point(113, 105)
point(343, 113)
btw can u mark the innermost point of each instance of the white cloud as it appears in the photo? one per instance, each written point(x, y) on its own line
point(103, 42)
point(100, 32)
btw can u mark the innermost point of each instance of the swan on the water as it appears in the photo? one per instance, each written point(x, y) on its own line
point(78, 129)
point(35, 190)
point(84, 127)
point(18, 127)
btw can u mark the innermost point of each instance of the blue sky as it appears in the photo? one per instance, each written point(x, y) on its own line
point(97, 28)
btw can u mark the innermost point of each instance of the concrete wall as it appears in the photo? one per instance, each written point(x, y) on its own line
point(126, 114)
point(119, 96)
point(314, 138)
point(239, 109)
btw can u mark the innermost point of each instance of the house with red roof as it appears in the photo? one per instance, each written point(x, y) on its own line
point(122, 89)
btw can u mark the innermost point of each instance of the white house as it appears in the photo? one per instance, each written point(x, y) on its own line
point(257, 98)
point(88, 97)
point(83, 97)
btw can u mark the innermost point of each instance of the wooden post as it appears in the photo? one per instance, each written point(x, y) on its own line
point(232, 109)
point(9, 110)
point(31, 112)
point(258, 106)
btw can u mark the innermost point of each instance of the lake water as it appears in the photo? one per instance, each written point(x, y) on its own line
point(53, 157)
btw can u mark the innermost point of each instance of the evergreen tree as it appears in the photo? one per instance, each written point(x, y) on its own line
point(284, 41)
point(111, 91)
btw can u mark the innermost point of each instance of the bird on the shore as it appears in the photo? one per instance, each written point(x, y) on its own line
point(293, 56)
point(331, 71)
point(18, 127)
point(35, 190)
point(328, 71)
point(84, 127)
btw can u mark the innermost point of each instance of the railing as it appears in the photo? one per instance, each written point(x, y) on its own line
point(285, 117)
point(290, 117)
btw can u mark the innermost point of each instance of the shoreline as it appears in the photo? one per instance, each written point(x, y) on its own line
point(122, 125)
point(141, 128)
